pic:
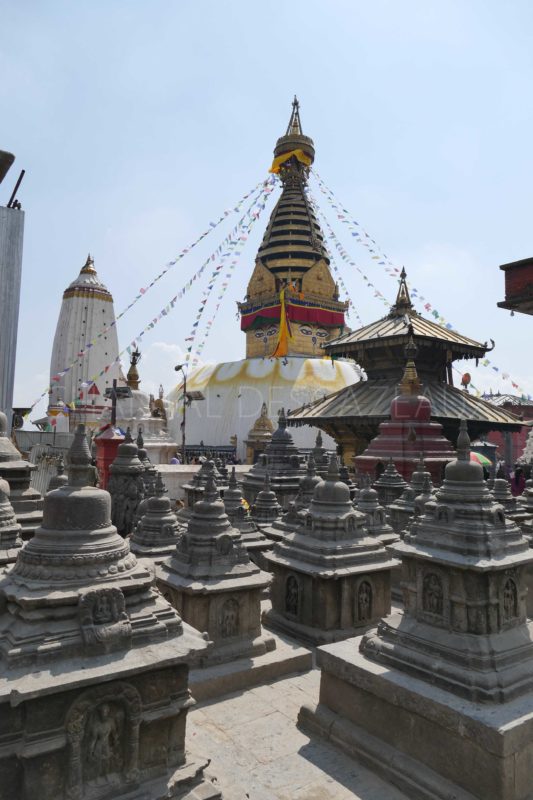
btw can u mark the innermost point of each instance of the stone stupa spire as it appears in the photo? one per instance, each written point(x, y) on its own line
point(92, 651)
point(266, 508)
point(59, 479)
point(212, 579)
point(126, 485)
point(281, 461)
point(76, 550)
point(330, 545)
point(463, 539)
point(402, 509)
point(390, 484)
point(239, 516)
point(376, 516)
point(27, 502)
point(10, 530)
point(157, 532)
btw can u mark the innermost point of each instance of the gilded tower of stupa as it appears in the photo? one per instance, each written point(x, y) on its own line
point(291, 307)
point(292, 303)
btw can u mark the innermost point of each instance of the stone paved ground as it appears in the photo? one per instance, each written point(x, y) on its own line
point(258, 753)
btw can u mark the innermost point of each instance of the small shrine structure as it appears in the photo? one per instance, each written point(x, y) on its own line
point(94, 689)
point(330, 577)
point(459, 658)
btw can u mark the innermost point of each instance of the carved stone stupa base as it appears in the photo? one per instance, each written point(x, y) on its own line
point(101, 739)
point(420, 737)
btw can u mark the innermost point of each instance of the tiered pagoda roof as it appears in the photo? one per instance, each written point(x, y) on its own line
point(379, 348)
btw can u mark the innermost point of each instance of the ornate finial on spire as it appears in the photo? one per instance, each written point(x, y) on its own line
point(282, 419)
point(160, 488)
point(211, 493)
point(88, 266)
point(132, 378)
point(266, 483)
point(403, 302)
point(232, 483)
point(140, 440)
point(463, 442)
point(410, 383)
point(333, 468)
point(79, 458)
point(311, 466)
point(295, 126)
point(127, 437)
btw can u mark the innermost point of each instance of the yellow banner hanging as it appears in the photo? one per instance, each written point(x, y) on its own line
point(299, 154)
point(282, 345)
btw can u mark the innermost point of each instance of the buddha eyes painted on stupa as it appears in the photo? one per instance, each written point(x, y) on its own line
point(262, 333)
point(309, 330)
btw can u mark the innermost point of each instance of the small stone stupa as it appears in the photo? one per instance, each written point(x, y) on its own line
point(253, 539)
point(389, 485)
point(409, 433)
point(402, 510)
point(194, 490)
point(27, 502)
point(94, 662)
point(126, 485)
point(10, 538)
point(501, 492)
point(59, 479)
point(282, 462)
point(376, 516)
point(345, 478)
point(458, 661)
point(294, 517)
point(157, 532)
point(320, 456)
point(330, 577)
point(213, 583)
point(259, 436)
point(266, 509)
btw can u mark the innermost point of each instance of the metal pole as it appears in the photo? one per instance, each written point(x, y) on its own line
point(183, 456)
point(114, 404)
point(15, 190)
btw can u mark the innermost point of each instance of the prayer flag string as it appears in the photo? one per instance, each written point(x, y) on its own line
point(238, 239)
point(257, 192)
point(382, 259)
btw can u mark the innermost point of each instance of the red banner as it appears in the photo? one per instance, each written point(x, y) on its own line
point(295, 313)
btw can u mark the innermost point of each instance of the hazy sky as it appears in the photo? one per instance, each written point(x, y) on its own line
point(139, 122)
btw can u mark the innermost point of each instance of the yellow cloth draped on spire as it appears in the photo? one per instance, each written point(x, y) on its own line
point(299, 154)
point(282, 345)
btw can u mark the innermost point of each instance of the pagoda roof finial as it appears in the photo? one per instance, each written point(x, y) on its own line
point(295, 126)
point(410, 382)
point(403, 298)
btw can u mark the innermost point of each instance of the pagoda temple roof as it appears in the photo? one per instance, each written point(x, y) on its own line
point(401, 322)
point(508, 399)
point(369, 402)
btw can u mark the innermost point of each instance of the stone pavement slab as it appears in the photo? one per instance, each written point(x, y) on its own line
point(258, 753)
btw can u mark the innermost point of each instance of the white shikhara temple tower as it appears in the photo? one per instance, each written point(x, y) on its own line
point(87, 309)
